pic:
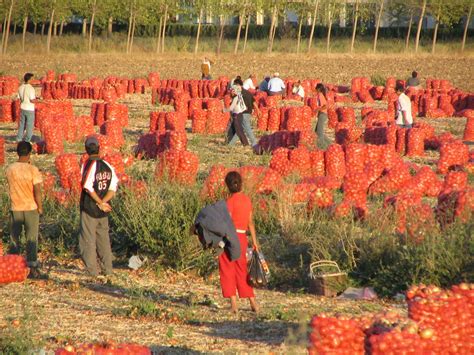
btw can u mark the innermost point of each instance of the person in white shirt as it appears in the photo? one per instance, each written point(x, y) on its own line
point(249, 82)
point(26, 94)
point(404, 116)
point(276, 86)
point(298, 89)
point(237, 108)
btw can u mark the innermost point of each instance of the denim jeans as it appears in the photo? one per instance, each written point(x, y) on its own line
point(247, 126)
point(323, 141)
point(27, 121)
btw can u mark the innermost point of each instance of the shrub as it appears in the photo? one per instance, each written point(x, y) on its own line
point(370, 250)
point(392, 263)
point(377, 80)
point(159, 224)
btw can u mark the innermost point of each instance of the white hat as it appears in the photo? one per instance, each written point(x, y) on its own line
point(276, 74)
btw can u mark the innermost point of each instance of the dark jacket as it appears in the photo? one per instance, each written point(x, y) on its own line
point(249, 100)
point(214, 225)
point(102, 181)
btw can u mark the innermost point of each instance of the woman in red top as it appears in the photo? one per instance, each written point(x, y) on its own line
point(322, 116)
point(233, 274)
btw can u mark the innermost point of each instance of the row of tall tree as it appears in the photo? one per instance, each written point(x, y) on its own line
point(51, 16)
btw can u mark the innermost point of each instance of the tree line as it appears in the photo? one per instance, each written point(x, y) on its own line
point(51, 16)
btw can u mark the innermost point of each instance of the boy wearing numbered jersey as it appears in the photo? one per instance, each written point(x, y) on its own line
point(99, 184)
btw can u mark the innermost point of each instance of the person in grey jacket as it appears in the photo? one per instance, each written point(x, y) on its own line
point(215, 229)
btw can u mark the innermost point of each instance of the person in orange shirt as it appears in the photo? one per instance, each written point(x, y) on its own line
point(233, 274)
point(323, 141)
point(24, 188)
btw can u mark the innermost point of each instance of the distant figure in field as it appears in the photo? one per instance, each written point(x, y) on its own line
point(322, 116)
point(276, 86)
point(404, 116)
point(414, 82)
point(26, 94)
point(237, 108)
point(206, 69)
point(264, 84)
point(251, 105)
point(298, 89)
point(238, 78)
point(249, 82)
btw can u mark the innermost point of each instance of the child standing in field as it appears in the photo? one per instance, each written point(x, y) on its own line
point(233, 274)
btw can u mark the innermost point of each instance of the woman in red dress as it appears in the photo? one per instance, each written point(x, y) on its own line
point(233, 274)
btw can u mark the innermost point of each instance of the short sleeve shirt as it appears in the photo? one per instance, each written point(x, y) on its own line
point(26, 94)
point(248, 84)
point(404, 105)
point(90, 179)
point(276, 85)
point(21, 179)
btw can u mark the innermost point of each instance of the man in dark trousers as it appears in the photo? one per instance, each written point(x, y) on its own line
point(99, 184)
point(251, 105)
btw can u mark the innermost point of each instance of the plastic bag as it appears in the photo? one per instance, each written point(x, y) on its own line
point(258, 272)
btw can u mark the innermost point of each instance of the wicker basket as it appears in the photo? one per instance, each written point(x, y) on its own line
point(326, 284)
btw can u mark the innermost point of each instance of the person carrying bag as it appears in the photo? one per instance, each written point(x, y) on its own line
point(237, 108)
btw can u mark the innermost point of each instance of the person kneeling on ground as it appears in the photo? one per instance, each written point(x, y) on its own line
point(24, 188)
point(246, 117)
point(99, 184)
point(276, 86)
point(263, 86)
point(404, 116)
point(298, 89)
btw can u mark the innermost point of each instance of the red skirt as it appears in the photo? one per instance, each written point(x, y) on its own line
point(233, 274)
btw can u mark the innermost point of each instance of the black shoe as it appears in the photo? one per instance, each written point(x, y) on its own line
point(36, 274)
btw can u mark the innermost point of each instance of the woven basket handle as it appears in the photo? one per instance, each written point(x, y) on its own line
point(322, 263)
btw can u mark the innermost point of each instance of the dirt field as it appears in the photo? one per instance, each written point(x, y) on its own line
point(193, 317)
point(71, 308)
point(333, 68)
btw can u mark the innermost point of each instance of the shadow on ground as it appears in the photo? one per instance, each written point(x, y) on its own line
point(172, 350)
point(271, 333)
